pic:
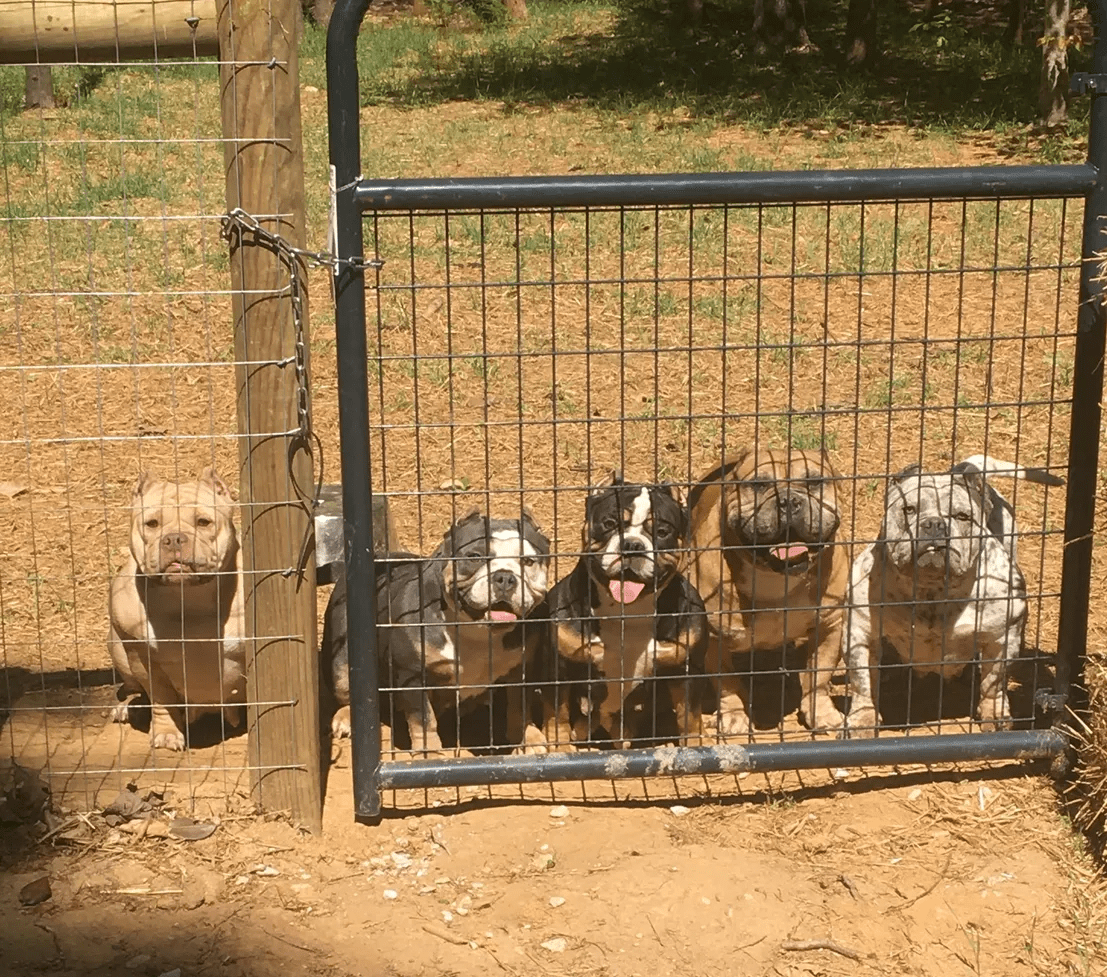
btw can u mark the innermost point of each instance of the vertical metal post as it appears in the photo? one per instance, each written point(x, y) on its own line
point(353, 402)
point(1087, 392)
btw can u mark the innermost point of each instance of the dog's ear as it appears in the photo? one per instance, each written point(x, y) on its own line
point(828, 465)
point(613, 477)
point(677, 491)
point(145, 480)
point(221, 488)
point(909, 472)
point(527, 520)
point(978, 488)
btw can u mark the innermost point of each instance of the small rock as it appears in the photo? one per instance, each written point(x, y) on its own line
point(391, 894)
point(266, 870)
point(463, 904)
point(557, 945)
point(400, 860)
point(187, 829)
point(915, 794)
point(556, 901)
point(453, 485)
point(543, 860)
point(561, 811)
point(679, 810)
point(175, 972)
point(447, 916)
point(839, 774)
point(310, 89)
point(35, 892)
point(135, 962)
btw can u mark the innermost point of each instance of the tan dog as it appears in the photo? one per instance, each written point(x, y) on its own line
point(176, 607)
point(765, 563)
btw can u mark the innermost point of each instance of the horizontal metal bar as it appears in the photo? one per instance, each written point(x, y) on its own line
point(751, 758)
point(796, 186)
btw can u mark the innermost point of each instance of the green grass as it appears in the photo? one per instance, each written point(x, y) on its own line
point(641, 57)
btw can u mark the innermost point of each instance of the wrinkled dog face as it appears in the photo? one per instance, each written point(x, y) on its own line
point(783, 505)
point(636, 535)
point(182, 532)
point(494, 569)
point(934, 524)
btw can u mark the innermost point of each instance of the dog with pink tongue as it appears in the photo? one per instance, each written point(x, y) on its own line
point(625, 623)
point(772, 575)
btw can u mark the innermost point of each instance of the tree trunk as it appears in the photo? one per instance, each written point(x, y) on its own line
point(321, 11)
point(39, 93)
point(861, 32)
point(1016, 21)
point(516, 9)
point(779, 23)
point(1053, 93)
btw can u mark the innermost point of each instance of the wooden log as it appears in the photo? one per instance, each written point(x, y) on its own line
point(263, 152)
point(52, 31)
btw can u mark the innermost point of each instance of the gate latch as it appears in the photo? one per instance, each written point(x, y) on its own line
point(1083, 82)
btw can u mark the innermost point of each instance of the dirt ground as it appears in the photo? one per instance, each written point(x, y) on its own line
point(912, 871)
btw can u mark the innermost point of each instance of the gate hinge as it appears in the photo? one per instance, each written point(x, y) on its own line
point(1083, 82)
point(1050, 703)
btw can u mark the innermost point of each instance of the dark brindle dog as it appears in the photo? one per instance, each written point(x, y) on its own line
point(765, 562)
point(452, 626)
point(626, 615)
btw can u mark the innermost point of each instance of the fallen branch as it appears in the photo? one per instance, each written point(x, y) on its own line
point(830, 945)
point(446, 935)
point(922, 895)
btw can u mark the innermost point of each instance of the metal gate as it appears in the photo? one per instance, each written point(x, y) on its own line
point(553, 209)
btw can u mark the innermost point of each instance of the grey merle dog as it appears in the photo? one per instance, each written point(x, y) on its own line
point(941, 587)
point(452, 626)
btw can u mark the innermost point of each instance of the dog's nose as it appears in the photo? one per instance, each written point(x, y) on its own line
point(790, 503)
point(173, 541)
point(632, 546)
point(504, 581)
point(933, 527)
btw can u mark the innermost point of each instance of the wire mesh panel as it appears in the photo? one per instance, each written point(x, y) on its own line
point(773, 368)
point(119, 365)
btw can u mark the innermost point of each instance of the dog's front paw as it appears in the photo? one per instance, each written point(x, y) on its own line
point(995, 714)
point(340, 724)
point(168, 740)
point(826, 718)
point(860, 724)
point(534, 743)
point(731, 719)
point(121, 713)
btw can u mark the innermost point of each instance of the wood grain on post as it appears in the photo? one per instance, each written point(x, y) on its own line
point(50, 31)
point(263, 151)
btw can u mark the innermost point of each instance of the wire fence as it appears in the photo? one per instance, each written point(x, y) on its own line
point(123, 378)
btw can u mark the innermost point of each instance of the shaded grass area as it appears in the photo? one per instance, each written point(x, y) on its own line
point(954, 73)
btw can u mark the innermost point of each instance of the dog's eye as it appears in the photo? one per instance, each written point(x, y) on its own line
point(529, 561)
point(152, 524)
point(203, 522)
point(909, 510)
point(663, 532)
point(609, 525)
point(962, 516)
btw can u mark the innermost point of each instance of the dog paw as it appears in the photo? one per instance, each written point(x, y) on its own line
point(732, 722)
point(534, 743)
point(860, 724)
point(826, 719)
point(994, 714)
point(121, 713)
point(340, 724)
point(168, 741)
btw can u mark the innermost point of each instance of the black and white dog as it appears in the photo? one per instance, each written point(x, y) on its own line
point(626, 615)
point(451, 626)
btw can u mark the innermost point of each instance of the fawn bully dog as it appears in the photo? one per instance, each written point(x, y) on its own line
point(628, 613)
point(451, 626)
point(770, 574)
point(941, 587)
point(176, 607)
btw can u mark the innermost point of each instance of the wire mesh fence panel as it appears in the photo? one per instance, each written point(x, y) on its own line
point(121, 446)
point(705, 411)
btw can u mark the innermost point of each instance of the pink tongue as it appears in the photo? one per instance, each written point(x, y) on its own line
point(503, 616)
point(626, 591)
point(788, 552)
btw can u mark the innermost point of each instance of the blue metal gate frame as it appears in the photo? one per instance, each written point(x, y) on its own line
point(356, 195)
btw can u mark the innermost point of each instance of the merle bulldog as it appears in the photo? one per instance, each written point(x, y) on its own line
point(451, 626)
point(626, 615)
point(941, 587)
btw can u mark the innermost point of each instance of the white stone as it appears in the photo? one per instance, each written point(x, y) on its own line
point(391, 894)
point(561, 811)
point(556, 901)
point(680, 810)
point(557, 945)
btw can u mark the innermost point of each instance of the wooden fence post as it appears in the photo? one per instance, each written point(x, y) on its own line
point(263, 151)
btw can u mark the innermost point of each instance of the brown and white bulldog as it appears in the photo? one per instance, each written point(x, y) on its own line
point(176, 607)
point(766, 564)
